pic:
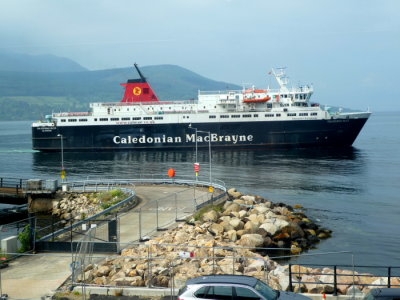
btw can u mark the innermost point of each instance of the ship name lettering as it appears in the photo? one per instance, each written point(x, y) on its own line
point(146, 139)
point(219, 138)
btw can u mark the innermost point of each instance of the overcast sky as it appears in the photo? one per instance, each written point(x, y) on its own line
point(348, 49)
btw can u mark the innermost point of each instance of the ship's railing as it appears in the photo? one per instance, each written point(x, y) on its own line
point(72, 114)
point(222, 92)
point(100, 104)
point(302, 89)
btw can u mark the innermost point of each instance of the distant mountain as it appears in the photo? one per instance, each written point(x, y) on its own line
point(31, 95)
point(170, 83)
point(18, 62)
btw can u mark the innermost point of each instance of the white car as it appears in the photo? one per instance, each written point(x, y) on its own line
point(232, 287)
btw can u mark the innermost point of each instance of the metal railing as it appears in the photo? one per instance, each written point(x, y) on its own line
point(131, 200)
point(156, 179)
point(346, 272)
point(12, 185)
point(12, 182)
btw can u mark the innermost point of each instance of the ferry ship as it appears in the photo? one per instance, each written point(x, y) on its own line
point(243, 119)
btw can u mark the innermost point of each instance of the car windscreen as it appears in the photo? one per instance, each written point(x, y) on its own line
point(266, 291)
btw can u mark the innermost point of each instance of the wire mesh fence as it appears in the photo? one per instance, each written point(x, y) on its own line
point(169, 265)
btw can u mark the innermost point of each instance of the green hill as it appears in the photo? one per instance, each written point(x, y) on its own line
point(30, 95)
point(19, 62)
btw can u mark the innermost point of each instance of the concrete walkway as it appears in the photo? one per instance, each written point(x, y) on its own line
point(34, 277)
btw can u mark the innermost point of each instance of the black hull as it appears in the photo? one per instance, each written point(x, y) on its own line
point(240, 135)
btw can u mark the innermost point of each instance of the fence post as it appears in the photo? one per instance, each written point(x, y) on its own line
point(213, 260)
point(176, 208)
point(233, 262)
point(157, 215)
point(290, 278)
point(52, 227)
point(334, 281)
point(140, 224)
point(389, 276)
point(148, 265)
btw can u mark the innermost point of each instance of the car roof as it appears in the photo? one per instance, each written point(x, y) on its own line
point(232, 279)
point(381, 292)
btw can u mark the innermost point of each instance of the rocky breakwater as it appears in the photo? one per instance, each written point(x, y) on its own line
point(253, 221)
point(221, 240)
point(71, 207)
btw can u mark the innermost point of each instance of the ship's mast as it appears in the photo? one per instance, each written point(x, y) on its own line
point(140, 73)
point(281, 78)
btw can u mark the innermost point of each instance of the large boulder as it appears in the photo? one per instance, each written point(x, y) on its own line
point(226, 225)
point(279, 223)
point(270, 228)
point(251, 240)
point(234, 194)
point(262, 209)
point(312, 283)
point(232, 207)
point(210, 216)
point(181, 237)
point(231, 235)
point(103, 271)
point(216, 229)
point(236, 223)
point(249, 200)
point(251, 227)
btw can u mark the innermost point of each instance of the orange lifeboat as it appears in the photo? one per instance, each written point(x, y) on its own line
point(253, 97)
point(256, 100)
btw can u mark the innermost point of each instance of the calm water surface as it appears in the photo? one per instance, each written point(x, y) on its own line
point(355, 192)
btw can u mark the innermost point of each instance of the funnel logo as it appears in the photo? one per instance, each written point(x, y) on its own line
point(137, 91)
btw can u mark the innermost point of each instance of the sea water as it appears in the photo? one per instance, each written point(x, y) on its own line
point(355, 192)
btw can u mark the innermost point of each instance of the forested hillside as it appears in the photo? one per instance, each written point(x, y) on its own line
point(31, 95)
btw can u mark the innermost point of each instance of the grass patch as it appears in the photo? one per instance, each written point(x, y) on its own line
point(110, 198)
point(198, 216)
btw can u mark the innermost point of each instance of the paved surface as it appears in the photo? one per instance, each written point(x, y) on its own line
point(33, 277)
